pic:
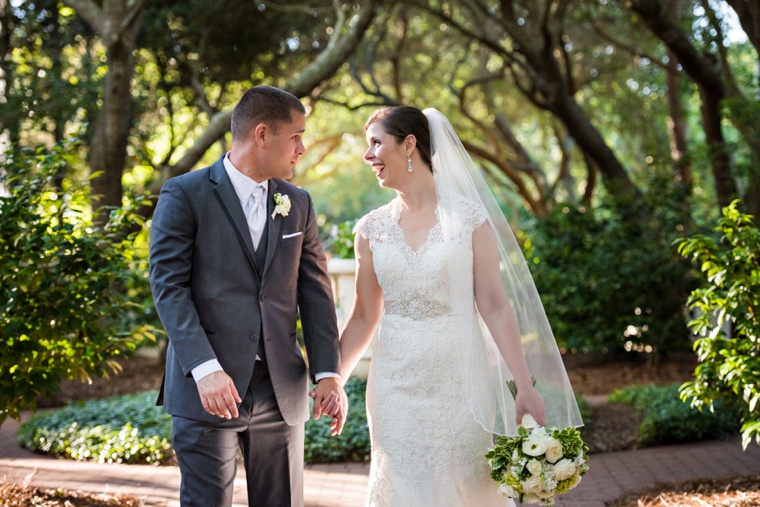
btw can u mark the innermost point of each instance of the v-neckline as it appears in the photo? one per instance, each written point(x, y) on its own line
point(402, 233)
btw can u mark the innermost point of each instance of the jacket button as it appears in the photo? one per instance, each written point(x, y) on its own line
point(262, 297)
point(253, 337)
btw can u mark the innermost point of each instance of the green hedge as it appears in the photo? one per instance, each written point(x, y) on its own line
point(121, 429)
point(665, 419)
point(131, 429)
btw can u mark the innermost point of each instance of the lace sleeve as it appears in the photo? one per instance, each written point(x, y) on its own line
point(362, 227)
point(473, 215)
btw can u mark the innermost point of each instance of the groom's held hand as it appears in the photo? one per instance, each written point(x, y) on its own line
point(330, 400)
point(219, 395)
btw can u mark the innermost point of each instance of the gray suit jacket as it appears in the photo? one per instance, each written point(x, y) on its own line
point(215, 302)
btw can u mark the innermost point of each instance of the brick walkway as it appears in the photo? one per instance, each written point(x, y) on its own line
point(611, 475)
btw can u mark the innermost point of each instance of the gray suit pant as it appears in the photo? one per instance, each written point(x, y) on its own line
point(272, 452)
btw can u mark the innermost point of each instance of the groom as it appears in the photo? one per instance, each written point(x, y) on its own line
point(234, 258)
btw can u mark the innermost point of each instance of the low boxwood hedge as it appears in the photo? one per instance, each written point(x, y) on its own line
point(665, 419)
point(131, 429)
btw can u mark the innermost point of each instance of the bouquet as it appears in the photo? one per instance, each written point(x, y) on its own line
point(539, 463)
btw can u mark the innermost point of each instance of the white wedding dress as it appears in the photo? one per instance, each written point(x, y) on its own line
point(427, 449)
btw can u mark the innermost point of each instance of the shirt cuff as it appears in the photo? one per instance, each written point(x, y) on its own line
point(206, 368)
point(325, 374)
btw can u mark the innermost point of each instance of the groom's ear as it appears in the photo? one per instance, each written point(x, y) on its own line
point(260, 132)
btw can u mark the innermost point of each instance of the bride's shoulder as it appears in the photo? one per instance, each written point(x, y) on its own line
point(464, 207)
point(374, 220)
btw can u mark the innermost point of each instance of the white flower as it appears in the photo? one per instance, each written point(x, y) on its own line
point(534, 467)
point(534, 445)
point(508, 490)
point(563, 469)
point(282, 205)
point(553, 450)
point(532, 485)
point(531, 499)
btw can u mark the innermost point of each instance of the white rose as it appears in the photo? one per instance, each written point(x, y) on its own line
point(532, 485)
point(531, 499)
point(534, 467)
point(553, 450)
point(282, 205)
point(507, 490)
point(534, 445)
point(563, 469)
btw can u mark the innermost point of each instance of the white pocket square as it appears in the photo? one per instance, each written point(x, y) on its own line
point(286, 236)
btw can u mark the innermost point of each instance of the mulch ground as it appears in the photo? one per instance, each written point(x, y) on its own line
point(12, 495)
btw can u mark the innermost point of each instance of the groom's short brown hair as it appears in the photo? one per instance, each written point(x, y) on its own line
point(263, 104)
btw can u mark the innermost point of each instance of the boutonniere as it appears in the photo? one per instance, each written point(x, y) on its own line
point(282, 205)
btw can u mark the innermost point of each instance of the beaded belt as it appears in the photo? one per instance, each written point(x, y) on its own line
point(416, 309)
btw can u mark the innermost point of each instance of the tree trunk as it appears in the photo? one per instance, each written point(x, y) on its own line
point(705, 70)
point(6, 29)
point(109, 142)
point(748, 12)
point(117, 22)
point(679, 148)
point(591, 142)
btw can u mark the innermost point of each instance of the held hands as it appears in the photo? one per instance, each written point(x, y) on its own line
point(529, 401)
point(330, 400)
point(219, 395)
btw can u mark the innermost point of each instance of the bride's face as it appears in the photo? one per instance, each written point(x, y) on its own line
point(386, 156)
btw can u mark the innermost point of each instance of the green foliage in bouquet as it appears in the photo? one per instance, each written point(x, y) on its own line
point(120, 429)
point(538, 464)
point(65, 309)
point(729, 363)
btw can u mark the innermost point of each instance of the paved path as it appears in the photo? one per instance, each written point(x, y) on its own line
point(611, 475)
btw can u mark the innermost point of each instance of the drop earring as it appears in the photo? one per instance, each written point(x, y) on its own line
point(409, 162)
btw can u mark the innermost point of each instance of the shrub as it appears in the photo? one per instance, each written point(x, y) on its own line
point(665, 419)
point(353, 444)
point(63, 304)
point(730, 295)
point(120, 429)
point(131, 429)
point(609, 278)
point(341, 240)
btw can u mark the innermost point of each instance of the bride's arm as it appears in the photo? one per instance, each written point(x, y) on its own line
point(496, 310)
point(366, 312)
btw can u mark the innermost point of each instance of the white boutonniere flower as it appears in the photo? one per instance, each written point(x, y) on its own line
point(282, 205)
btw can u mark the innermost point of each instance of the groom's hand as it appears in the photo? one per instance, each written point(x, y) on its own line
point(330, 400)
point(219, 395)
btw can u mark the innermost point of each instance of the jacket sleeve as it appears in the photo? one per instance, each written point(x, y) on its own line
point(315, 302)
point(172, 241)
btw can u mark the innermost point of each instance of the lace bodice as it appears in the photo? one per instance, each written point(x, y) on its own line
point(427, 449)
point(421, 276)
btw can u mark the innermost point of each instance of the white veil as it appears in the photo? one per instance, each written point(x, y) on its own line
point(485, 373)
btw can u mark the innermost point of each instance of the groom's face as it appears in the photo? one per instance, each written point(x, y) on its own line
point(283, 146)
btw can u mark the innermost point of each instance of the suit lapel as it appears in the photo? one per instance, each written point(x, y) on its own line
point(230, 204)
point(273, 231)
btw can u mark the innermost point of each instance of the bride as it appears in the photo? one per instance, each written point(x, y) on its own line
point(440, 271)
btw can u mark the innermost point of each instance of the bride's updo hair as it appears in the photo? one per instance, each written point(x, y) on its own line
point(401, 121)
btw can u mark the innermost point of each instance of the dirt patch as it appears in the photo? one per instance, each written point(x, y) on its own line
point(596, 375)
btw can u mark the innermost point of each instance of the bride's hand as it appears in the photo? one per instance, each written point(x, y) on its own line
point(530, 401)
